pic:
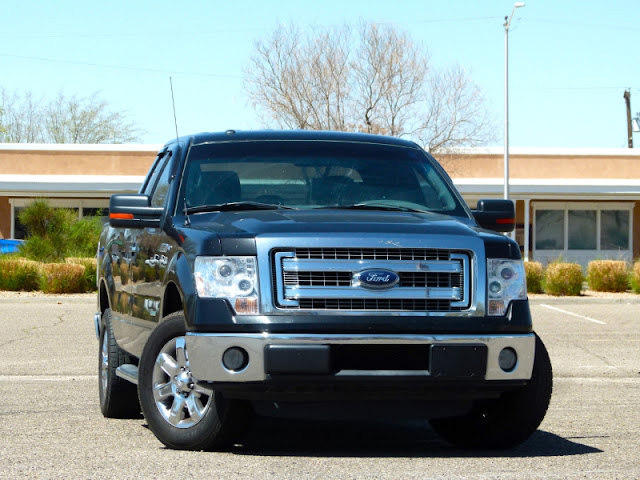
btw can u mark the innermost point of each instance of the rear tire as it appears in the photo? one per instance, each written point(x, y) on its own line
point(507, 421)
point(118, 397)
point(182, 413)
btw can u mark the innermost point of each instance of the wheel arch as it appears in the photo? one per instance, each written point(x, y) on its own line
point(172, 300)
point(104, 300)
point(179, 291)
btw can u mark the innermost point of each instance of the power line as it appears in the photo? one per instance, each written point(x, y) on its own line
point(618, 87)
point(118, 67)
point(130, 34)
point(214, 32)
point(565, 23)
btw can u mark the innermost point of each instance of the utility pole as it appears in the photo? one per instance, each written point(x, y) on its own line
point(627, 100)
point(507, 24)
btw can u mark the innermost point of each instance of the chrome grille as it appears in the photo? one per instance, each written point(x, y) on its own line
point(378, 305)
point(372, 253)
point(430, 280)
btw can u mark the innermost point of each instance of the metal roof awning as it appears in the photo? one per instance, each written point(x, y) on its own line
point(561, 188)
point(71, 185)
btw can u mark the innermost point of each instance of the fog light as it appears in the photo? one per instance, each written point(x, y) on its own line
point(235, 359)
point(507, 359)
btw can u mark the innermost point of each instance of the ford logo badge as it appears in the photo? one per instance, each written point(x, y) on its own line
point(377, 278)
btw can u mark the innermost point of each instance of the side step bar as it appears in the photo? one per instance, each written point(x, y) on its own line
point(128, 372)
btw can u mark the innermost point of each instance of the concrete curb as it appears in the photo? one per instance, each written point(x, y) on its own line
point(7, 298)
point(585, 300)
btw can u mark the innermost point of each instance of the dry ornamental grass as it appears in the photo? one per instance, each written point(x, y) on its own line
point(62, 278)
point(19, 274)
point(563, 279)
point(535, 276)
point(608, 276)
point(634, 278)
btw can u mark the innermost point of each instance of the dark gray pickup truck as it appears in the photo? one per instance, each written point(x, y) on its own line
point(313, 274)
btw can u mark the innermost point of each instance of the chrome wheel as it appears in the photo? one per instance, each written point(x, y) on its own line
point(177, 395)
point(104, 361)
point(118, 397)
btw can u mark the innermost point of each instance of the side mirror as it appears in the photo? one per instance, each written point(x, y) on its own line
point(133, 211)
point(497, 215)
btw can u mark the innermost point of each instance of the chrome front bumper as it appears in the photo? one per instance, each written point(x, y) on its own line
point(205, 352)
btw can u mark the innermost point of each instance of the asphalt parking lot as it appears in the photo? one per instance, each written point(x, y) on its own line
point(51, 425)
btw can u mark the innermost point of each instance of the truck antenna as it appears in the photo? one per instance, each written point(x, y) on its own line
point(173, 103)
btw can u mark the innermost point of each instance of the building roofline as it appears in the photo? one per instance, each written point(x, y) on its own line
point(80, 147)
point(544, 151)
point(559, 187)
point(139, 147)
point(560, 182)
point(48, 184)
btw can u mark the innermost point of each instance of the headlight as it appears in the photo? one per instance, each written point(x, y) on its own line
point(506, 281)
point(233, 278)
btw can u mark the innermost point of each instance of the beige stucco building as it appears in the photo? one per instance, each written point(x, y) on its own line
point(578, 204)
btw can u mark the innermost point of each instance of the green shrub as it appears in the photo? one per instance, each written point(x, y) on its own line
point(47, 231)
point(19, 274)
point(37, 217)
point(563, 279)
point(535, 276)
point(607, 276)
point(39, 249)
point(634, 277)
point(83, 237)
point(62, 278)
point(56, 233)
point(90, 267)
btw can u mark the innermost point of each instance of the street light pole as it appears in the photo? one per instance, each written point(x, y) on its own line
point(627, 101)
point(507, 24)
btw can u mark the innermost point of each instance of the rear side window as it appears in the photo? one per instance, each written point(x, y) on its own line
point(161, 188)
point(152, 176)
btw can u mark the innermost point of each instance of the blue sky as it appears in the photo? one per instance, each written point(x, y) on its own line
point(570, 61)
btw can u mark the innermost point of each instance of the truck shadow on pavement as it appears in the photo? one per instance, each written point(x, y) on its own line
point(281, 437)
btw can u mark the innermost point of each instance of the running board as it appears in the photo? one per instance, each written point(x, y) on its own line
point(128, 372)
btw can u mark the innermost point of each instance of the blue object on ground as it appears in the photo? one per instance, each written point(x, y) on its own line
point(9, 246)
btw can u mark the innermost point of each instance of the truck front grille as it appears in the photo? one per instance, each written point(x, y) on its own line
point(429, 280)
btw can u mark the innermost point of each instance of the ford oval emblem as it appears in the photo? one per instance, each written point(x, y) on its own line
point(377, 278)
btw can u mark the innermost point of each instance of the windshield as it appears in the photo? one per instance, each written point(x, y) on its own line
point(312, 174)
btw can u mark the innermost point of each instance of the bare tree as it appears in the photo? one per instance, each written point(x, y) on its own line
point(302, 82)
point(20, 118)
point(376, 80)
point(455, 114)
point(389, 74)
point(62, 120)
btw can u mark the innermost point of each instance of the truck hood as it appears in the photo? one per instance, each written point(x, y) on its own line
point(255, 223)
point(234, 233)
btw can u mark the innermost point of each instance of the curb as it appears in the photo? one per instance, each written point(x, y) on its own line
point(585, 300)
point(82, 298)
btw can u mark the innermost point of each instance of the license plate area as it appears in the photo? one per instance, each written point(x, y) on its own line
point(459, 361)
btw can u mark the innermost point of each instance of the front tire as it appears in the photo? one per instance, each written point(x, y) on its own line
point(118, 397)
point(182, 413)
point(507, 421)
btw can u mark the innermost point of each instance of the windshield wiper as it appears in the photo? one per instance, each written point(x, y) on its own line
point(236, 206)
point(375, 206)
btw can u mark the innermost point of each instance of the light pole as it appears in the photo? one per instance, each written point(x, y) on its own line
point(507, 24)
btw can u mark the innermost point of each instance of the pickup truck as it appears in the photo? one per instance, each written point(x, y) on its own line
point(314, 275)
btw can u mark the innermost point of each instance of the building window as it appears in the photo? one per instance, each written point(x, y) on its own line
point(583, 234)
point(614, 231)
point(549, 230)
point(579, 231)
point(19, 230)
